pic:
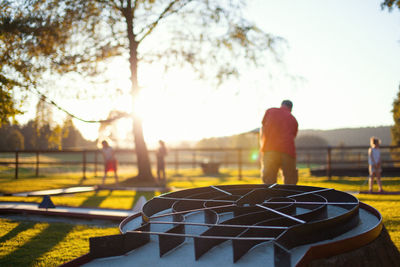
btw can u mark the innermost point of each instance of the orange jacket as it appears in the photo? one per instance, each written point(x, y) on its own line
point(279, 129)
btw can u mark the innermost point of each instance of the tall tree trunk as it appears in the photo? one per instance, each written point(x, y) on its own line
point(142, 154)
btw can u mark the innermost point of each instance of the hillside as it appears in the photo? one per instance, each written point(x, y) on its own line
point(351, 136)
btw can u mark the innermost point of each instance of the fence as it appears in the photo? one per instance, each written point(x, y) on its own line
point(347, 161)
point(326, 158)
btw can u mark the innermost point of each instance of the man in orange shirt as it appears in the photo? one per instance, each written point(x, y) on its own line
point(277, 134)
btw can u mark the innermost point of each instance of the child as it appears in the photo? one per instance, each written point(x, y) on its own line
point(374, 162)
point(110, 163)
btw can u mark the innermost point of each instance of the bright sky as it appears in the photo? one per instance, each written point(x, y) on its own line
point(346, 52)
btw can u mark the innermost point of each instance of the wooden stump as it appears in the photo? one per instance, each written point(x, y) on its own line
point(380, 252)
point(210, 168)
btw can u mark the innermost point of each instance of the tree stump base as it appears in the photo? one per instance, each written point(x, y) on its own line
point(210, 168)
point(380, 252)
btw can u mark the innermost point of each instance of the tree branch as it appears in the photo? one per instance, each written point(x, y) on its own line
point(51, 102)
point(166, 12)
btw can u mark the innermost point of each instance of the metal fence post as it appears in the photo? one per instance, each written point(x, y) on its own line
point(176, 160)
point(95, 164)
point(240, 163)
point(194, 160)
point(16, 164)
point(329, 163)
point(37, 163)
point(84, 163)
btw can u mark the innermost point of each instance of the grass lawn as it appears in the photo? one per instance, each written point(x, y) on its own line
point(41, 243)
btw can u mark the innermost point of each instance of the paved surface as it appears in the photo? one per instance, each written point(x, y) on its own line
point(88, 213)
point(81, 189)
point(52, 192)
point(33, 208)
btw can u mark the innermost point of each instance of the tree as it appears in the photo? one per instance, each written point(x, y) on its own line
point(71, 137)
point(311, 141)
point(44, 113)
point(15, 140)
point(35, 43)
point(4, 131)
point(8, 107)
point(30, 133)
point(396, 118)
point(69, 134)
point(390, 4)
point(211, 36)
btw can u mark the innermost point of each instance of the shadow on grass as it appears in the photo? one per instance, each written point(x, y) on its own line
point(341, 181)
point(81, 181)
point(147, 194)
point(95, 200)
point(365, 198)
point(14, 232)
point(201, 175)
point(28, 253)
point(137, 181)
point(389, 224)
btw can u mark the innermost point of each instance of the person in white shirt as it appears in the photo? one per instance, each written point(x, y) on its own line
point(374, 162)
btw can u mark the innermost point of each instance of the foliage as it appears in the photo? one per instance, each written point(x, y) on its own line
point(35, 41)
point(389, 4)
point(311, 141)
point(248, 140)
point(31, 136)
point(212, 37)
point(12, 138)
point(8, 107)
point(15, 140)
point(396, 118)
point(71, 137)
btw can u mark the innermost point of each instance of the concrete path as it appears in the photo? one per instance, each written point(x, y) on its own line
point(53, 192)
point(87, 213)
point(82, 189)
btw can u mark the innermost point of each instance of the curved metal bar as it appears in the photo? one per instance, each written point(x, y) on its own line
point(128, 220)
point(261, 213)
point(341, 246)
point(319, 230)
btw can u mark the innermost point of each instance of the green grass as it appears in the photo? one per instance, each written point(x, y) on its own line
point(45, 244)
point(27, 183)
point(27, 243)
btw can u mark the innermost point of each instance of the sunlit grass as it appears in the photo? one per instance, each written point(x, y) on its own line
point(30, 183)
point(44, 244)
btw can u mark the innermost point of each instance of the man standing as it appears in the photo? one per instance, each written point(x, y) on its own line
point(277, 134)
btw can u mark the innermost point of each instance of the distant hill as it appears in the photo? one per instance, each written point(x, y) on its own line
point(336, 137)
point(351, 136)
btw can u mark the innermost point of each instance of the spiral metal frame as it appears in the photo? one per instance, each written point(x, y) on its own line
point(286, 215)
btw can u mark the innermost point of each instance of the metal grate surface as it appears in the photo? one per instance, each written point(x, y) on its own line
point(246, 215)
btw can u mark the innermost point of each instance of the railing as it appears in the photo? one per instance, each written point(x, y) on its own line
point(177, 158)
point(346, 157)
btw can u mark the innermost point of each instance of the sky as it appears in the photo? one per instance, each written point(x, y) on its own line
point(341, 70)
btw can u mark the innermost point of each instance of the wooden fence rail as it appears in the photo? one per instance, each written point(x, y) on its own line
point(325, 157)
